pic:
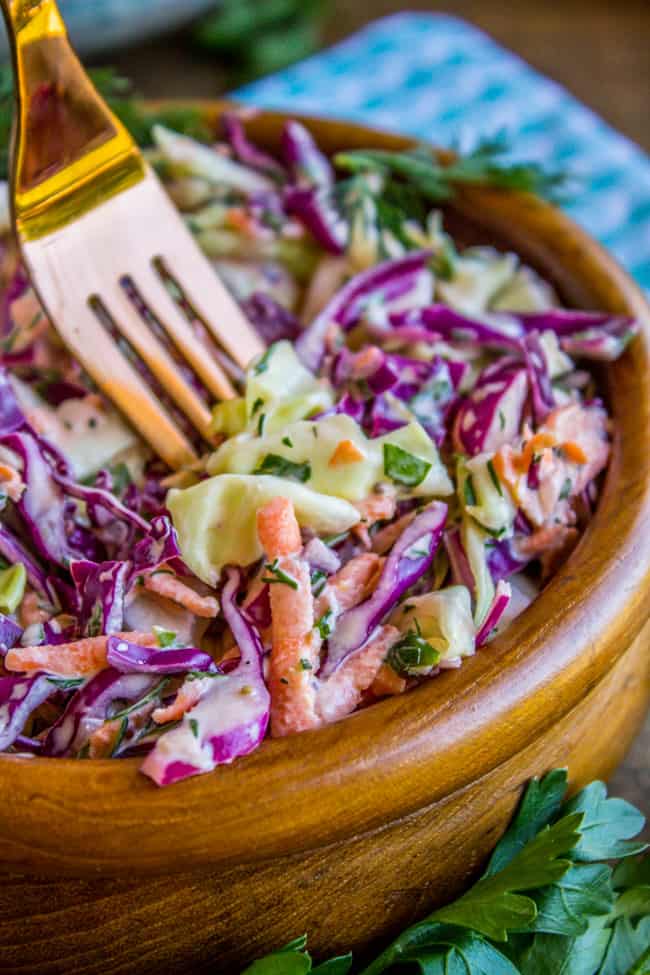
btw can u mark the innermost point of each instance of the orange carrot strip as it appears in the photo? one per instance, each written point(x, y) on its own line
point(188, 695)
point(386, 537)
point(387, 682)
point(346, 452)
point(533, 446)
point(341, 693)
point(294, 652)
point(278, 529)
point(351, 584)
point(80, 658)
point(377, 507)
point(102, 740)
point(573, 451)
point(171, 587)
point(12, 483)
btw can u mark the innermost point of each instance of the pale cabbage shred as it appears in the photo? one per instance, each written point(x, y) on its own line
point(215, 518)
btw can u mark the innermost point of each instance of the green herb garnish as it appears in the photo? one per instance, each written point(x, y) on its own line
point(154, 694)
point(437, 182)
point(281, 467)
point(278, 575)
point(263, 364)
point(545, 905)
point(287, 442)
point(325, 624)
point(194, 727)
point(164, 638)
point(412, 653)
point(566, 489)
point(260, 424)
point(257, 405)
point(119, 738)
point(318, 582)
point(403, 467)
point(468, 490)
point(66, 683)
point(493, 477)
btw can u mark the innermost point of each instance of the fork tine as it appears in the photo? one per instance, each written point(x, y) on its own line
point(98, 354)
point(160, 363)
point(196, 277)
point(160, 302)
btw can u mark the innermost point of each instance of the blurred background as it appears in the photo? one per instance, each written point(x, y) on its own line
point(598, 49)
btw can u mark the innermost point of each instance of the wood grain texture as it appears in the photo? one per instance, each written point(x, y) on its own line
point(352, 830)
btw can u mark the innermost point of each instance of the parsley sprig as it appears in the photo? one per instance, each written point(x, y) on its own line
point(545, 905)
point(485, 165)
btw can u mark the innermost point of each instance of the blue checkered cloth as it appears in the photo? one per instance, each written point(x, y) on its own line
point(437, 78)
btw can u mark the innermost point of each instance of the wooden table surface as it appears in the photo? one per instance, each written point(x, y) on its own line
point(597, 49)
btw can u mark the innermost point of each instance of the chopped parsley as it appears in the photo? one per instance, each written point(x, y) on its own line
point(278, 575)
point(493, 477)
point(325, 624)
point(305, 664)
point(332, 540)
point(502, 420)
point(412, 652)
point(287, 442)
point(263, 364)
point(318, 582)
point(194, 726)
point(164, 638)
point(260, 424)
point(403, 467)
point(281, 467)
point(257, 405)
point(468, 490)
point(566, 489)
point(119, 737)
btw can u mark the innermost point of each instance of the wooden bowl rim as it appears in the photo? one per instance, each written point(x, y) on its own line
point(71, 817)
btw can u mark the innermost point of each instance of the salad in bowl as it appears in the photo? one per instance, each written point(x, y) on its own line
point(416, 451)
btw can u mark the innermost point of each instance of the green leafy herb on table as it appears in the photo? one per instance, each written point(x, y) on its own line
point(255, 37)
point(545, 905)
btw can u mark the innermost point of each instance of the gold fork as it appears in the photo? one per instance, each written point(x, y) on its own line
point(100, 238)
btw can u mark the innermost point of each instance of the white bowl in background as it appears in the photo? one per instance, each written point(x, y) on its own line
point(103, 25)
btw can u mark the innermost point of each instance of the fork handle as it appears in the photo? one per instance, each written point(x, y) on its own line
point(65, 137)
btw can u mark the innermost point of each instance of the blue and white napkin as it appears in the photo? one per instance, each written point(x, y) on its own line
point(440, 79)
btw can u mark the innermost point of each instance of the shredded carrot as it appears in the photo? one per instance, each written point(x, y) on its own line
point(170, 587)
point(277, 528)
point(238, 219)
point(11, 481)
point(341, 693)
point(387, 682)
point(346, 452)
point(377, 507)
point(386, 537)
point(366, 362)
point(533, 446)
point(80, 658)
point(351, 584)
point(188, 695)
point(573, 451)
point(102, 740)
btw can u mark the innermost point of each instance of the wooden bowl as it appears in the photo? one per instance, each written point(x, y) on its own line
point(353, 831)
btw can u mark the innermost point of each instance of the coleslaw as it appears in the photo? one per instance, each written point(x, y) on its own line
point(402, 470)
